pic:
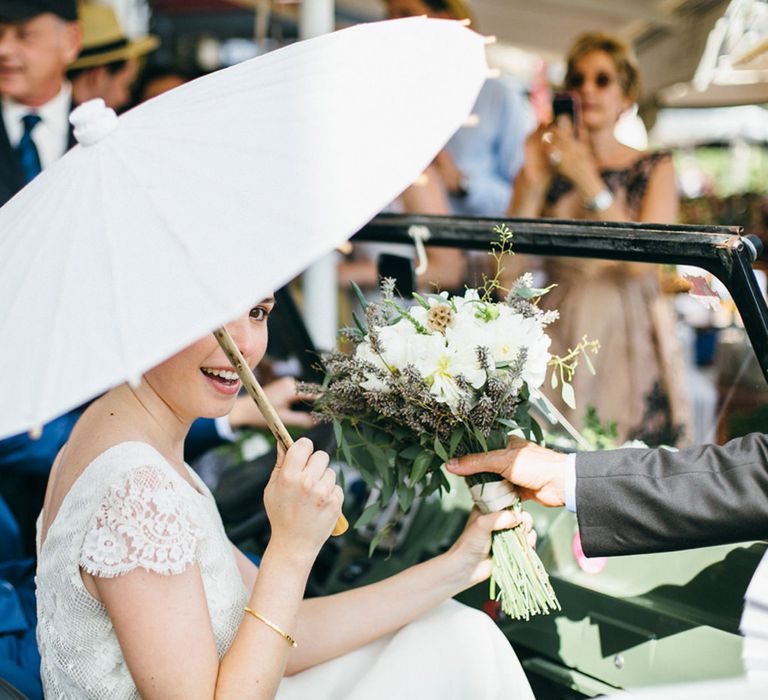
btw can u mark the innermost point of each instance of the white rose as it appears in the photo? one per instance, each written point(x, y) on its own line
point(439, 363)
point(538, 354)
point(511, 332)
point(395, 342)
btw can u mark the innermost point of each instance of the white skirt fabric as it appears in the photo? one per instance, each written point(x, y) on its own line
point(451, 653)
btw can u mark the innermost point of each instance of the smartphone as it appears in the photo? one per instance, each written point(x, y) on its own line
point(567, 103)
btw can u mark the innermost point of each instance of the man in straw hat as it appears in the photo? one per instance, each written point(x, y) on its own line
point(38, 40)
point(108, 62)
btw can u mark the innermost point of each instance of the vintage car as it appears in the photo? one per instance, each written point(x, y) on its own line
point(629, 621)
point(626, 622)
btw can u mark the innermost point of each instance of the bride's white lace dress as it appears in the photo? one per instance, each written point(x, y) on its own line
point(131, 509)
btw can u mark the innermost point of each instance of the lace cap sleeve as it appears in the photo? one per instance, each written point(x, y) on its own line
point(142, 522)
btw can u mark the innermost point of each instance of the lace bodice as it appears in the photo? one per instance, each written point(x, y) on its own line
point(632, 180)
point(128, 509)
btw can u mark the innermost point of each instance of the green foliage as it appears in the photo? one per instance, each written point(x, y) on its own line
point(564, 367)
point(601, 436)
point(499, 250)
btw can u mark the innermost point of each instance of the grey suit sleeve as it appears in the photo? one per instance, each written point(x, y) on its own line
point(632, 501)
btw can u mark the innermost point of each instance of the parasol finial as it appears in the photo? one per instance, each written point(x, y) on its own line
point(93, 120)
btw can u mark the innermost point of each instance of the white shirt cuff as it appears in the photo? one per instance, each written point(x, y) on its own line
point(570, 483)
point(224, 429)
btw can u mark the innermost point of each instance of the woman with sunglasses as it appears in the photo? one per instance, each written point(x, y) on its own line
point(577, 169)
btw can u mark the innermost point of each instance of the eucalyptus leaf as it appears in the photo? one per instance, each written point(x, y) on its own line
point(420, 467)
point(367, 515)
point(368, 478)
point(507, 423)
point(440, 450)
point(387, 492)
point(410, 452)
point(553, 382)
point(405, 495)
point(481, 439)
point(375, 542)
point(568, 395)
point(360, 296)
point(532, 292)
point(337, 432)
point(380, 459)
point(348, 458)
point(537, 432)
point(360, 325)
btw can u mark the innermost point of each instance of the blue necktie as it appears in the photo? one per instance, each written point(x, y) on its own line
point(28, 155)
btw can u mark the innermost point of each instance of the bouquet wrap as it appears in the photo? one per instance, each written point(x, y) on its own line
point(518, 574)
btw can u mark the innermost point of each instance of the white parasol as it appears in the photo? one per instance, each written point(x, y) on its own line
point(172, 219)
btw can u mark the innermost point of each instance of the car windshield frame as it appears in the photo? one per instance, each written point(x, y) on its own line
point(724, 251)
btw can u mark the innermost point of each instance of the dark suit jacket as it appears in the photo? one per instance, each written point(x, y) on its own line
point(11, 175)
point(633, 501)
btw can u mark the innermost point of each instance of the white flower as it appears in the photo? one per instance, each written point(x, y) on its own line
point(440, 362)
point(466, 330)
point(538, 354)
point(469, 300)
point(509, 333)
point(365, 353)
point(395, 343)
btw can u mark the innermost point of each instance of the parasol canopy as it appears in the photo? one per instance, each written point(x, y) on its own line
point(174, 218)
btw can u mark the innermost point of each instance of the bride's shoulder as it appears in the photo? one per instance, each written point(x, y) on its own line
point(85, 470)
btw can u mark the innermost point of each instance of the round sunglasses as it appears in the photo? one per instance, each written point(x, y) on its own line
point(601, 80)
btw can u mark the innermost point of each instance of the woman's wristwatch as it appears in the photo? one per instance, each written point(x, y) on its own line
point(600, 202)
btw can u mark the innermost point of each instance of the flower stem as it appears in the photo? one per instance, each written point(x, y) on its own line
point(518, 579)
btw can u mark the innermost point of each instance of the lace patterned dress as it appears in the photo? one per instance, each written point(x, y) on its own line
point(640, 381)
point(130, 508)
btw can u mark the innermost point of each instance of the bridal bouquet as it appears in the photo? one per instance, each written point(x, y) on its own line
point(439, 378)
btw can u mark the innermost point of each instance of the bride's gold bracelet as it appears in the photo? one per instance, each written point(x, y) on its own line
point(291, 641)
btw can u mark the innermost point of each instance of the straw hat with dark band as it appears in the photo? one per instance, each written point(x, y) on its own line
point(104, 41)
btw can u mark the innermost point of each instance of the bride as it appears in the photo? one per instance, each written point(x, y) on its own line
point(140, 594)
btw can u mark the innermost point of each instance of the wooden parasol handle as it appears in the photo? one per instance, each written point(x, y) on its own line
point(253, 387)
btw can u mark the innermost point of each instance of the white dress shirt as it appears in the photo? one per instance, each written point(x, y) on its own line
point(51, 135)
point(570, 482)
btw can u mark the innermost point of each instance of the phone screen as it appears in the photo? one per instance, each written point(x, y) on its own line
point(566, 103)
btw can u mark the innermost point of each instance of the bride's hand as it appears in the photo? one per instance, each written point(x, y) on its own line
point(471, 552)
point(302, 499)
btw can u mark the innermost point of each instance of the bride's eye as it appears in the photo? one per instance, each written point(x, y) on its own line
point(259, 313)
